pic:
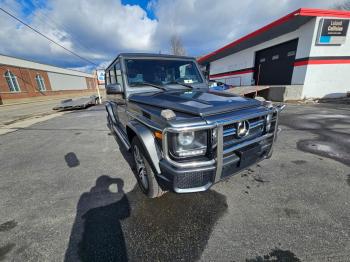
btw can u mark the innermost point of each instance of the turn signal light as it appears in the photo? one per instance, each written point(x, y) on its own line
point(158, 135)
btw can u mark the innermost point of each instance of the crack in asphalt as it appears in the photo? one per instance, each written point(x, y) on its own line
point(276, 255)
point(8, 225)
point(330, 142)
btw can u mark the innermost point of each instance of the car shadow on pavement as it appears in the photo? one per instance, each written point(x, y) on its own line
point(112, 225)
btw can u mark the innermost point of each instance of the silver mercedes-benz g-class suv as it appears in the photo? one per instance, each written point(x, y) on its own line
point(183, 136)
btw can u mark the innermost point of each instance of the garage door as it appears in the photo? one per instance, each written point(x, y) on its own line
point(274, 65)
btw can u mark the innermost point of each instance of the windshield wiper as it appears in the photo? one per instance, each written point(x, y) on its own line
point(149, 84)
point(181, 84)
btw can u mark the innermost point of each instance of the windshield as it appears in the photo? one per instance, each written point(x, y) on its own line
point(161, 72)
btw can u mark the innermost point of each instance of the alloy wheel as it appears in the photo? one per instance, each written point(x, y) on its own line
point(140, 167)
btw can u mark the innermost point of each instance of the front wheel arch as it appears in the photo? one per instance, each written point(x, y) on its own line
point(147, 139)
point(130, 133)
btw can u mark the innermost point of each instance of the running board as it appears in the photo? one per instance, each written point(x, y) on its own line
point(121, 137)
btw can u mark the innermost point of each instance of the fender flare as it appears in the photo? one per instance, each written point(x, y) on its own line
point(147, 139)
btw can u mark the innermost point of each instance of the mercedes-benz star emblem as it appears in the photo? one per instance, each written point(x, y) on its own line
point(242, 129)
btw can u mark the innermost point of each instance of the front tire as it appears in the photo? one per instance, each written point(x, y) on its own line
point(144, 174)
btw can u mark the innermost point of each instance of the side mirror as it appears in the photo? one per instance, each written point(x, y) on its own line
point(113, 89)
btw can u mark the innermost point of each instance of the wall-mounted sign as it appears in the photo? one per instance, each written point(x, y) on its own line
point(100, 77)
point(332, 31)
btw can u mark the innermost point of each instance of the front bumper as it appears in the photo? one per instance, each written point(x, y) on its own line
point(230, 159)
point(188, 180)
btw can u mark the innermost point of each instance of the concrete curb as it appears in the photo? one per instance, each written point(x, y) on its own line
point(4, 129)
point(50, 99)
point(34, 101)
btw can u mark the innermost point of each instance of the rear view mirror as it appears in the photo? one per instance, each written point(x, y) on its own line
point(114, 89)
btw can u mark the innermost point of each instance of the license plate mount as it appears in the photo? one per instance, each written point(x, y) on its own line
point(249, 155)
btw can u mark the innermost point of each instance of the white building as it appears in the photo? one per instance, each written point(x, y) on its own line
point(305, 54)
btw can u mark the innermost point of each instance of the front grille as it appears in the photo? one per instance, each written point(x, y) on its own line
point(193, 179)
point(256, 129)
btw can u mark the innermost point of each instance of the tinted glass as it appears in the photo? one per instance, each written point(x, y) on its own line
point(161, 72)
point(112, 76)
point(118, 73)
point(107, 78)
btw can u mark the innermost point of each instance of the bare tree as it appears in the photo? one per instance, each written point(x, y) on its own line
point(176, 45)
point(345, 5)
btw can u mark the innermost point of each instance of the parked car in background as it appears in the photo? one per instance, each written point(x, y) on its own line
point(218, 86)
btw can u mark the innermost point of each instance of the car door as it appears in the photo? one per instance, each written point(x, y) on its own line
point(117, 99)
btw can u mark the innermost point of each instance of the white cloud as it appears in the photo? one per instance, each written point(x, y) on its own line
point(94, 30)
point(205, 25)
point(99, 30)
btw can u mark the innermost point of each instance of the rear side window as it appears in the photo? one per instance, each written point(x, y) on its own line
point(112, 76)
point(118, 73)
point(107, 78)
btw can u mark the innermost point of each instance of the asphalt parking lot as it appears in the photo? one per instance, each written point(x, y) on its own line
point(67, 193)
point(13, 113)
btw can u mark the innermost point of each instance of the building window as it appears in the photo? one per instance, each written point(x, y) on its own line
point(275, 57)
point(12, 81)
point(40, 83)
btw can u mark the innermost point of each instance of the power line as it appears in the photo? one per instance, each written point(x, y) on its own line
point(48, 38)
point(58, 25)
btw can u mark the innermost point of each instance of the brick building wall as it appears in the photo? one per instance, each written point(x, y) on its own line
point(27, 82)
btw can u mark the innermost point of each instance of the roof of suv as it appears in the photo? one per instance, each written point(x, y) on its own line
point(153, 55)
point(149, 55)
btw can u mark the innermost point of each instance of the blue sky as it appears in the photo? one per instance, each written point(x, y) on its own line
point(99, 30)
point(143, 4)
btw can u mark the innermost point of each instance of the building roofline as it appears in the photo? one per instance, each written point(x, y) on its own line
point(52, 67)
point(310, 12)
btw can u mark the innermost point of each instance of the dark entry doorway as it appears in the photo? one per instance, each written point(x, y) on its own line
point(274, 65)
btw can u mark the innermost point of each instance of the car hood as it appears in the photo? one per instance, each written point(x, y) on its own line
point(195, 102)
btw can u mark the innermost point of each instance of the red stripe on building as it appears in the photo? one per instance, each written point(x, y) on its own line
point(322, 62)
point(233, 73)
point(323, 12)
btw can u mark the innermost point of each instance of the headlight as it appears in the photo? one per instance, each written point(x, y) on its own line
point(185, 138)
point(188, 143)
